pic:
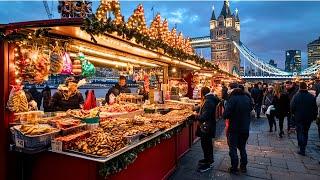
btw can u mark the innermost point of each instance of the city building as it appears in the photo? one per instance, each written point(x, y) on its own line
point(313, 52)
point(223, 31)
point(293, 61)
point(272, 63)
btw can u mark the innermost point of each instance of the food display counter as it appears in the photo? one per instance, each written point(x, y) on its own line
point(151, 156)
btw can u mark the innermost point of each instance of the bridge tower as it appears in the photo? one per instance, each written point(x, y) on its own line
point(223, 31)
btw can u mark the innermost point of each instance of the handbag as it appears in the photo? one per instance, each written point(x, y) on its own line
point(253, 113)
point(204, 127)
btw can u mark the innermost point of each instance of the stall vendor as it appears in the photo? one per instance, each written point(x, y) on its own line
point(120, 87)
point(67, 97)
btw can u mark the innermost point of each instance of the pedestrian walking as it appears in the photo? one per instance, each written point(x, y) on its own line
point(238, 113)
point(224, 90)
point(257, 95)
point(281, 104)
point(268, 108)
point(291, 90)
point(304, 110)
point(207, 127)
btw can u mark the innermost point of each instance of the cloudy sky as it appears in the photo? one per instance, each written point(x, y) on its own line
point(268, 28)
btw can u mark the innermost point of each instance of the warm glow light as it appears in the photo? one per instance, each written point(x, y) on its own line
point(102, 61)
point(187, 65)
point(174, 70)
point(121, 58)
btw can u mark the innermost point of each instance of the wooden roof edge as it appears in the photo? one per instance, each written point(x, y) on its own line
point(43, 23)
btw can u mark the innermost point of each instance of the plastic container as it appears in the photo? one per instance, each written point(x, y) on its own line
point(93, 120)
point(35, 141)
point(28, 117)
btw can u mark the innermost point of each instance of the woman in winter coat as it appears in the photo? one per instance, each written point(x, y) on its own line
point(281, 103)
point(268, 108)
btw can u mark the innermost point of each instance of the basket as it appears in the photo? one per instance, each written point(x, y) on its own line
point(36, 141)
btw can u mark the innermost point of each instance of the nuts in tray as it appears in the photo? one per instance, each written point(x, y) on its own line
point(99, 143)
point(32, 130)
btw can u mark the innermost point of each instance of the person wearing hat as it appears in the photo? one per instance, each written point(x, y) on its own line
point(238, 112)
point(67, 97)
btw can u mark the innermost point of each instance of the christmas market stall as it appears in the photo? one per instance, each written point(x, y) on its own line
point(140, 135)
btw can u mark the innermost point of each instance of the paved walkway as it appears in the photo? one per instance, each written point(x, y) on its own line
point(269, 157)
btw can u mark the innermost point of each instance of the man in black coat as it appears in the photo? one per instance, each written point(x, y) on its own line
point(291, 89)
point(257, 95)
point(207, 127)
point(304, 109)
point(238, 112)
point(120, 87)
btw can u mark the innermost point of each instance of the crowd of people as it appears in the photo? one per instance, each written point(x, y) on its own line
point(297, 102)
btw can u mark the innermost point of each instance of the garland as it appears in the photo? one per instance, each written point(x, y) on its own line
point(122, 161)
point(94, 27)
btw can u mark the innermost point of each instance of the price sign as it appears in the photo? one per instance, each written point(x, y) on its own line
point(56, 146)
point(19, 142)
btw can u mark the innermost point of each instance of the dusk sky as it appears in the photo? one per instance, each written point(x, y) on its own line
point(268, 28)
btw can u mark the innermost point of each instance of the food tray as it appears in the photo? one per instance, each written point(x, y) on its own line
point(133, 139)
point(25, 117)
point(96, 156)
point(151, 111)
point(35, 141)
point(74, 129)
point(105, 115)
point(144, 135)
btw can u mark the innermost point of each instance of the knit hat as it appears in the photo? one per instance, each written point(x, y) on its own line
point(70, 79)
point(233, 85)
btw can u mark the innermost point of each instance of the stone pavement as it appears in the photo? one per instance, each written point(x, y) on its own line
point(269, 157)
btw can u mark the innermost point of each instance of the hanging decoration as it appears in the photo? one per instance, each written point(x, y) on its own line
point(71, 9)
point(76, 67)
point(56, 60)
point(31, 64)
point(137, 20)
point(31, 54)
point(88, 68)
point(109, 6)
point(17, 100)
point(67, 64)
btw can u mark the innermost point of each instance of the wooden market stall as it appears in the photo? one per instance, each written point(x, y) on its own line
point(114, 44)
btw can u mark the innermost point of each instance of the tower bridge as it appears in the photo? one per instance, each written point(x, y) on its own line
point(226, 47)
